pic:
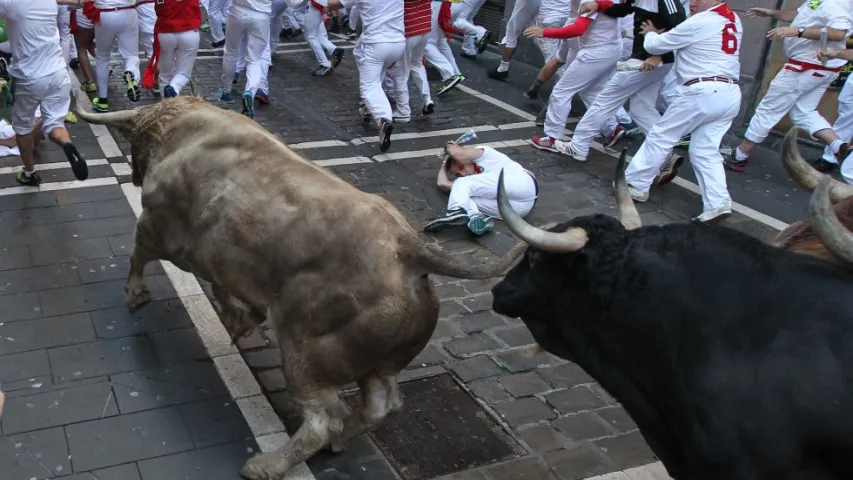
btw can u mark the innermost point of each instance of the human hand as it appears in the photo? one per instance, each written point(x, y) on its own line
point(588, 7)
point(782, 32)
point(534, 32)
point(648, 26)
point(824, 55)
point(759, 12)
point(650, 64)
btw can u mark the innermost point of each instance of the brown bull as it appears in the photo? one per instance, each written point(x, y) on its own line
point(821, 234)
point(341, 274)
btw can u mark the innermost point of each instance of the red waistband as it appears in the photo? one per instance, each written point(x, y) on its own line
point(805, 66)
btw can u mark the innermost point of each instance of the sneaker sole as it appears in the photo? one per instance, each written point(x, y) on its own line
point(442, 223)
point(719, 218)
point(385, 138)
point(616, 137)
point(540, 147)
point(671, 173)
point(450, 86)
point(337, 58)
point(248, 107)
point(133, 90)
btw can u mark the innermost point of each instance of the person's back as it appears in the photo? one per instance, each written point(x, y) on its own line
point(716, 49)
point(33, 38)
point(382, 21)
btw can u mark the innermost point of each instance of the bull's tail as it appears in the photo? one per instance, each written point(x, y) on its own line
point(82, 105)
point(437, 263)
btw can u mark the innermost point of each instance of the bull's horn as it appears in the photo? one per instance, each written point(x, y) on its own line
point(628, 214)
point(571, 240)
point(82, 107)
point(804, 174)
point(826, 224)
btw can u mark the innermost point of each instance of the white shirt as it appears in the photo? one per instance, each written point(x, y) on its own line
point(826, 13)
point(705, 45)
point(381, 20)
point(602, 34)
point(34, 38)
point(102, 4)
point(492, 161)
point(556, 10)
point(261, 6)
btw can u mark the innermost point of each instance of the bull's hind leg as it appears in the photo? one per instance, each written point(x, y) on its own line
point(314, 433)
point(380, 396)
point(136, 292)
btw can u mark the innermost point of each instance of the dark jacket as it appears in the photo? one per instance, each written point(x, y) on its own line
point(669, 14)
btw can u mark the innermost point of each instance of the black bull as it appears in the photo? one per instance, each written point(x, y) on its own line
point(734, 358)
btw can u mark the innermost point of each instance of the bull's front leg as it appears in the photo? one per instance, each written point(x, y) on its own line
point(136, 292)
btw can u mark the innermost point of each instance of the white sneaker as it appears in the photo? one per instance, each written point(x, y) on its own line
point(715, 215)
point(566, 149)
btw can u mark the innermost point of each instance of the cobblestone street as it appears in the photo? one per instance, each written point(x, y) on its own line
point(97, 393)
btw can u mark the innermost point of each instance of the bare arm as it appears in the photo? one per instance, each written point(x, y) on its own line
point(464, 154)
point(832, 34)
point(442, 181)
point(783, 15)
point(833, 53)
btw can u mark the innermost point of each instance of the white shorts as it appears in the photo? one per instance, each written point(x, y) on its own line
point(83, 21)
point(51, 94)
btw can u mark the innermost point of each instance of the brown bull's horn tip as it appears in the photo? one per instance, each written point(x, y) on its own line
point(803, 174)
point(571, 240)
point(628, 214)
point(826, 225)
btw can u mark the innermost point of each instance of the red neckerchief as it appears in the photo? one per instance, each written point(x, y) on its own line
point(724, 10)
point(478, 168)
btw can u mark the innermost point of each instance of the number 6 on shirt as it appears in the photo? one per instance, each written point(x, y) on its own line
point(729, 40)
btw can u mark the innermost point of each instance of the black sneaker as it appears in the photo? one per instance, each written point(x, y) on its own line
point(429, 107)
point(32, 180)
point(843, 152)
point(823, 166)
point(217, 44)
point(484, 42)
point(133, 89)
point(497, 75)
point(385, 129)
point(286, 33)
point(78, 163)
point(337, 56)
point(169, 91)
point(532, 93)
point(453, 217)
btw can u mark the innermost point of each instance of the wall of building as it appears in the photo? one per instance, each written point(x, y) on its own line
point(760, 59)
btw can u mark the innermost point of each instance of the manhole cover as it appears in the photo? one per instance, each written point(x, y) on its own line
point(441, 430)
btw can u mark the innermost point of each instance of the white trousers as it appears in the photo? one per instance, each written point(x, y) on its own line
point(177, 58)
point(372, 59)
point(705, 110)
point(277, 16)
point(794, 93)
point(438, 51)
point(523, 14)
point(317, 36)
point(640, 87)
point(289, 19)
point(478, 193)
point(51, 94)
point(843, 127)
point(463, 14)
point(66, 40)
point(585, 76)
point(147, 18)
point(255, 26)
point(550, 47)
point(413, 62)
point(124, 26)
point(668, 91)
point(217, 12)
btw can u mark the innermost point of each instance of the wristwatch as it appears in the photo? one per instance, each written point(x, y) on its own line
point(800, 31)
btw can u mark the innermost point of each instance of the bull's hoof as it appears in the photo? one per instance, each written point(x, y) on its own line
point(137, 296)
point(264, 466)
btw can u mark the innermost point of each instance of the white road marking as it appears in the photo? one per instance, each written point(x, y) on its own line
point(318, 144)
point(121, 169)
point(53, 166)
point(681, 182)
point(342, 161)
point(277, 52)
point(91, 182)
point(267, 428)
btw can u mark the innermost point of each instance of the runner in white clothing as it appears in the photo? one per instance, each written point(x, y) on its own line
point(799, 86)
point(473, 195)
point(707, 47)
point(523, 14)
point(116, 20)
point(843, 124)
point(250, 19)
point(42, 82)
point(381, 46)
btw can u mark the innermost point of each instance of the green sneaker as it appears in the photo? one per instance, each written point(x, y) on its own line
point(205, 26)
point(101, 104)
point(133, 89)
point(480, 225)
point(31, 180)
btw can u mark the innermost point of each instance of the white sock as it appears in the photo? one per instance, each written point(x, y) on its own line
point(836, 146)
point(503, 67)
point(29, 173)
point(739, 155)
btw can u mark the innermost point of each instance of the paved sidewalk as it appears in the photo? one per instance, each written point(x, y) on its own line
point(93, 388)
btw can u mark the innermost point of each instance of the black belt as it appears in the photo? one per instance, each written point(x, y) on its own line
point(711, 79)
point(535, 187)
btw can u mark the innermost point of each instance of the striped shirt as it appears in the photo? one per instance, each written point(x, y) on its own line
point(417, 17)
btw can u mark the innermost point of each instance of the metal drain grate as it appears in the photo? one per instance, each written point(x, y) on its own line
point(441, 430)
